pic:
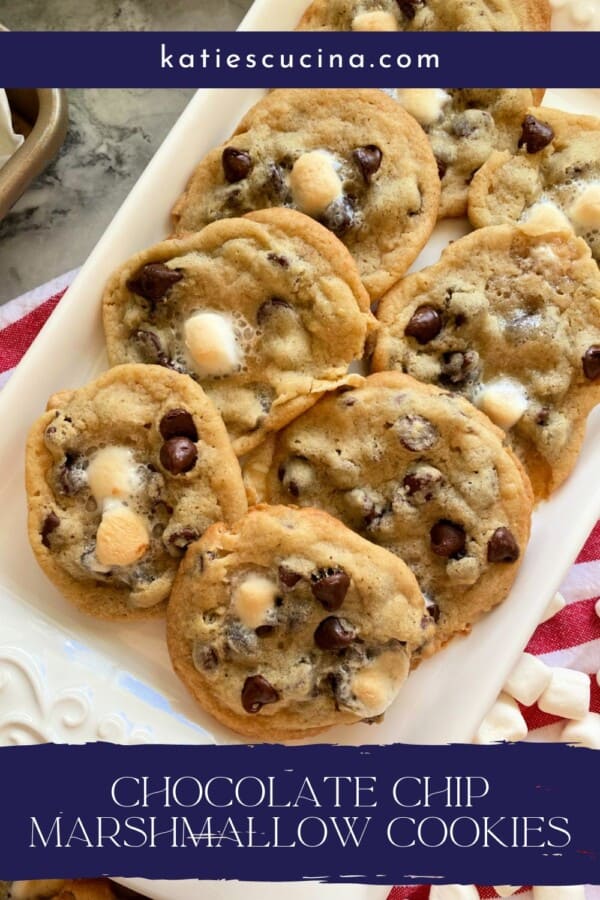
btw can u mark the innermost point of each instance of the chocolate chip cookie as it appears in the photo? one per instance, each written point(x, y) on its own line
point(427, 15)
point(121, 476)
point(510, 319)
point(265, 312)
point(553, 178)
point(287, 623)
point(418, 471)
point(353, 160)
point(464, 127)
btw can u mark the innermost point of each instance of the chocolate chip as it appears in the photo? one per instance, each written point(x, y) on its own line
point(329, 587)
point(205, 657)
point(442, 167)
point(270, 306)
point(288, 577)
point(334, 634)
point(275, 186)
point(459, 367)
point(339, 216)
point(257, 692)
point(71, 474)
point(178, 423)
point(543, 416)
point(183, 538)
point(535, 135)
point(153, 281)
point(502, 546)
point(178, 455)
point(51, 523)
point(278, 260)
point(425, 324)
point(422, 482)
point(369, 160)
point(448, 539)
point(237, 164)
point(409, 7)
point(591, 362)
point(264, 630)
point(416, 433)
point(150, 347)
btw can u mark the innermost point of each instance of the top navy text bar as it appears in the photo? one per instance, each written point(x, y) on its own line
point(288, 59)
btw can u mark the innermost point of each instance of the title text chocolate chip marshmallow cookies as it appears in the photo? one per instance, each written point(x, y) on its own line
point(427, 15)
point(353, 160)
point(266, 312)
point(418, 471)
point(510, 319)
point(287, 623)
point(121, 476)
point(554, 177)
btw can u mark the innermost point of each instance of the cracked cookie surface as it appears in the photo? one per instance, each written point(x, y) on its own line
point(121, 476)
point(464, 127)
point(418, 471)
point(353, 160)
point(510, 319)
point(287, 623)
point(553, 179)
point(427, 15)
point(265, 312)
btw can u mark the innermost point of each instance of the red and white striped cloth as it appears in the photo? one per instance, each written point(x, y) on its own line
point(570, 639)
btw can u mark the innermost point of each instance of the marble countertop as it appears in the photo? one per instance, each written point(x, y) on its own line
point(112, 136)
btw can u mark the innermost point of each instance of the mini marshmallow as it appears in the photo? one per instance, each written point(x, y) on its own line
point(504, 722)
point(507, 890)
point(211, 341)
point(453, 892)
point(545, 216)
point(252, 600)
point(424, 104)
point(122, 537)
point(559, 892)
point(378, 20)
point(557, 603)
point(504, 400)
point(376, 685)
point(567, 695)
point(314, 182)
point(528, 680)
point(585, 732)
point(585, 211)
point(112, 474)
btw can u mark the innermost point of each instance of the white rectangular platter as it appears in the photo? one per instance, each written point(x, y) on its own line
point(66, 677)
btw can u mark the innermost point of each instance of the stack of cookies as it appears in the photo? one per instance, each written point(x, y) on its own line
point(388, 511)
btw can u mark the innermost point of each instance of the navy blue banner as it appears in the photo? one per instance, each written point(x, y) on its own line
point(288, 59)
point(512, 814)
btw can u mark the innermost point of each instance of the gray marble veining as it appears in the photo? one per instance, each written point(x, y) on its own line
point(112, 136)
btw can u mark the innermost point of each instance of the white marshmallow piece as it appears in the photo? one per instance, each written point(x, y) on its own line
point(504, 722)
point(378, 20)
point(453, 892)
point(315, 182)
point(507, 890)
point(557, 603)
point(545, 216)
point(424, 104)
point(504, 400)
point(585, 732)
point(211, 342)
point(559, 892)
point(252, 600)
point(112, 474)
point(585, 211)
point(528, 680)
point(567, 695)
point(376, 685)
